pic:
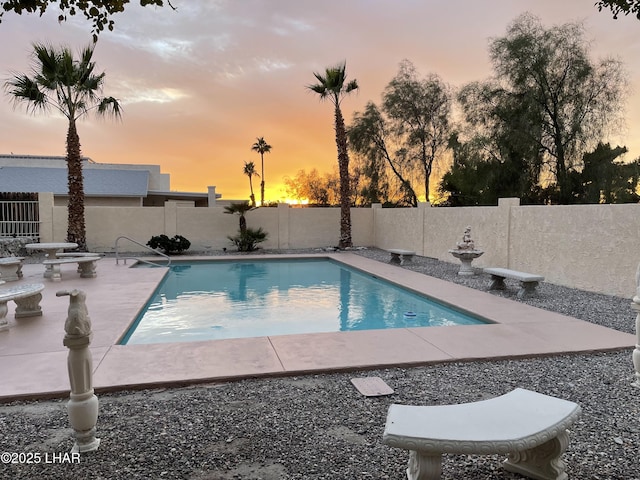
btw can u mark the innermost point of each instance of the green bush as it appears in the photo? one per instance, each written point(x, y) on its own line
point(248, 240)
point(168, 245)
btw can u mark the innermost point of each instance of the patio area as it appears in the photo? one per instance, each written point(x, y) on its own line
point(34, 357)
point(317, 426)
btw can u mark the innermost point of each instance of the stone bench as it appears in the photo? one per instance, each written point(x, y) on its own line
point(528, 281)
point(11, 268)
point(86, 266)
point(78, 255)
point(400, 257)
point(530, 428)
point(27, 298)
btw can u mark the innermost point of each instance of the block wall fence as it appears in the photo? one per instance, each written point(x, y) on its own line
point(591, 247)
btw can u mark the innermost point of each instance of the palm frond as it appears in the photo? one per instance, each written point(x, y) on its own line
point(110, 106)
point(25, 89)
point(351, 86)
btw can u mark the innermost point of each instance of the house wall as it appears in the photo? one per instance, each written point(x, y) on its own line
point(157, 181)
point(592, 247)
point(63, 201)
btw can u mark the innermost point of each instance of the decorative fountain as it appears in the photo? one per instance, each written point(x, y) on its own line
point(466, 252)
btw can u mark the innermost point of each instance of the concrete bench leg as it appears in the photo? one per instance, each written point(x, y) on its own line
point(497, 283)
point(10, 273)
point(29, 306)
point(395, 259)
point(53, 273)
point(406, 259)
point(423, 466)
point(542, 462)
point(527, 289)
point(4, 323)
point(48, 272)
point(87, 269)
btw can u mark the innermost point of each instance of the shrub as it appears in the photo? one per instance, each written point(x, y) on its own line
point(248, 240)
point(168, 245)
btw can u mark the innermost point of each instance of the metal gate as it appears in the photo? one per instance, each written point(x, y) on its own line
point(19, 219)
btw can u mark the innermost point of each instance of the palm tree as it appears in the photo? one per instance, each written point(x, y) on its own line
point(333, 85)
point(72, 88)
point(248, 238)
point(250, 171)
point(262, 147)
point(241, 208)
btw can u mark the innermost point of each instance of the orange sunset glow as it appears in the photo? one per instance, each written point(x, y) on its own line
point(199, 84)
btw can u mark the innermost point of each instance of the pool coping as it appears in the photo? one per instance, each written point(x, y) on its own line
point(34, 358)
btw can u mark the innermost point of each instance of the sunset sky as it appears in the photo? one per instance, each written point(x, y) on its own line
point(199, 84)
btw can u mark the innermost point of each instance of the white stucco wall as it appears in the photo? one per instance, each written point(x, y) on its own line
point(592, 247)
point(400, 228)
point(106, 224)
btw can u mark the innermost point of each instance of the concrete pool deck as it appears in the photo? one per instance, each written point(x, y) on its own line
point(34, 358)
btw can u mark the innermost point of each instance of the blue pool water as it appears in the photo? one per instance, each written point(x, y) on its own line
point(220, 300)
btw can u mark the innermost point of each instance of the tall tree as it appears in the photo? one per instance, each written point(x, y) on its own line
point(549, 98)
point(333, 86)
point(250, 171)
point(576, 98)
point(99, 11)
point(310, 187)
point(477, 177)
point(418, 111)
point(410, 131)
point(502, 131)
point(70, 86)
point(262, 147)
point(369, 136)
point(605, 179)
point(620, 6)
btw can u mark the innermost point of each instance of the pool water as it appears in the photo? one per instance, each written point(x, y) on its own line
point(254, 298)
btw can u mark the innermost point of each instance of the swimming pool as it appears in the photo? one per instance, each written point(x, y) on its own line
point(208, 300)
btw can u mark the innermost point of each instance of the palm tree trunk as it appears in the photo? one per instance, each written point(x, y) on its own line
point(252, 196)
point(76, 225)
point(243, 224)
point(345, 190)
point(262, 179)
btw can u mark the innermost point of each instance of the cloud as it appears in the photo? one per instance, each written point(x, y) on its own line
point(132, 92)
point(290, 26)
point(266, 65)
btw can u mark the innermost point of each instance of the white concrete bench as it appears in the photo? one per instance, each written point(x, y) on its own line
point(78, 255)
point(400, 257)
point(530, 428)
point(86, 266)
point(11, 268)
point(27, 298)
point(528, 281)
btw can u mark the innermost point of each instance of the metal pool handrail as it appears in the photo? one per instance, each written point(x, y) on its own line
point(139, 259)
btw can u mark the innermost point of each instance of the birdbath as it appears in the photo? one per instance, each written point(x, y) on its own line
point(466, 252)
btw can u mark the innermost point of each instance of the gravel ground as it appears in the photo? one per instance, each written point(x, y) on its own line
point(320, 427)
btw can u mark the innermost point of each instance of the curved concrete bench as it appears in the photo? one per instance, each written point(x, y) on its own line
point(27, 298)
point(528, 281)
point(529, 427)
point(86, 266)
point(400, 257)
point(11, 268)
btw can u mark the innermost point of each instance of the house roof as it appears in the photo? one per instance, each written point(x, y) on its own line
point(97, 182)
